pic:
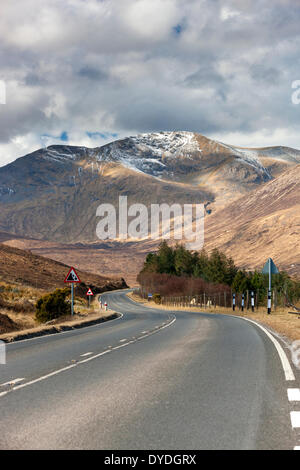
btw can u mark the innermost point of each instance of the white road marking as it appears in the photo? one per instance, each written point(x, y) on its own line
point(294, 394)
point(44, 377)
point(155, 331)
point(86, 354)
point(122, 340)
point(297, 448)
point(295, 419)
point(289, 374)
point(67, 331)
point(94, 357)
point(12, 382)
point(121, 345)
point(59, 371)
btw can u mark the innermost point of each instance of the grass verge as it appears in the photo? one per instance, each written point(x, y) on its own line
point(83, 317)
point(63, 325)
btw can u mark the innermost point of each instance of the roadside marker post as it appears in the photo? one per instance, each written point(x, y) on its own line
point(72, 278)
point(269, 301)
point(233, 302)
point(270, 268)
point(252, 301)
point(243, 302)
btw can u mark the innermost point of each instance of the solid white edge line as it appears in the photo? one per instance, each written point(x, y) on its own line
point(288, 372)
point(293, 394)
point(295, 419)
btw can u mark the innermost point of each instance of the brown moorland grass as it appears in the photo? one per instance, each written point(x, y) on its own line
point(83, 315)
point(17, 309)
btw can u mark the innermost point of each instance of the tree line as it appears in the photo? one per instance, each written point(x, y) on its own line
point(213, 269)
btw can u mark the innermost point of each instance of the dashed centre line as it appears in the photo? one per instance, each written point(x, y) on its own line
point(12, 382)
point(295, 419)
point(90, 358)
point(294, 394)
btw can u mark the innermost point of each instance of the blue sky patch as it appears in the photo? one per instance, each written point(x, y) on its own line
point(102, 135)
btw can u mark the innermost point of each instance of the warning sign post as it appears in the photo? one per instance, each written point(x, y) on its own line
point(89, 294)
point(72, 278)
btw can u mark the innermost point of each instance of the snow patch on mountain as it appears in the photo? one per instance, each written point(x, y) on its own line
point(147, 153)
point(249, 157)
point(64, 153)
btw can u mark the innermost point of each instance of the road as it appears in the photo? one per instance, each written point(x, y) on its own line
point(152, 379)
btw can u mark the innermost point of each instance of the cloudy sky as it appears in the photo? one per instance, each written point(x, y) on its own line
point(85, 72)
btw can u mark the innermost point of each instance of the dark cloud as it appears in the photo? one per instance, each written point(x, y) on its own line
point(32, 79)
point(92, 73)
point(265, 74)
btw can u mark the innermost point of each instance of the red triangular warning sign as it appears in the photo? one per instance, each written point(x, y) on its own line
point(89, 292)
point(72, 276)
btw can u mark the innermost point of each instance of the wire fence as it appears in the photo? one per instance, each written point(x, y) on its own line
point(249, 300)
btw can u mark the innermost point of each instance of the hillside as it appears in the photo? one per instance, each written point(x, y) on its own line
point(265, 223)
point(28, 269)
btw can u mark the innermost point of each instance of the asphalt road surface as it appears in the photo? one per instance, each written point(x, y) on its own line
point(152, 379)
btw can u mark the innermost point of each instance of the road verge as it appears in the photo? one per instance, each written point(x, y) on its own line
point(58, 328)
point(284, 324)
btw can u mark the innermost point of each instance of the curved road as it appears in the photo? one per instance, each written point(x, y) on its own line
point(152, 379)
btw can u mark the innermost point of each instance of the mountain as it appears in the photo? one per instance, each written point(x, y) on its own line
point(48, 199)
point(263, 223)
point(53, 193)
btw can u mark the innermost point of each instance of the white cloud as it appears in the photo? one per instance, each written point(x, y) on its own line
point(262, 138)
point(152, 20)
point(227, 13)
point(19, 146)
point(141, 65)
